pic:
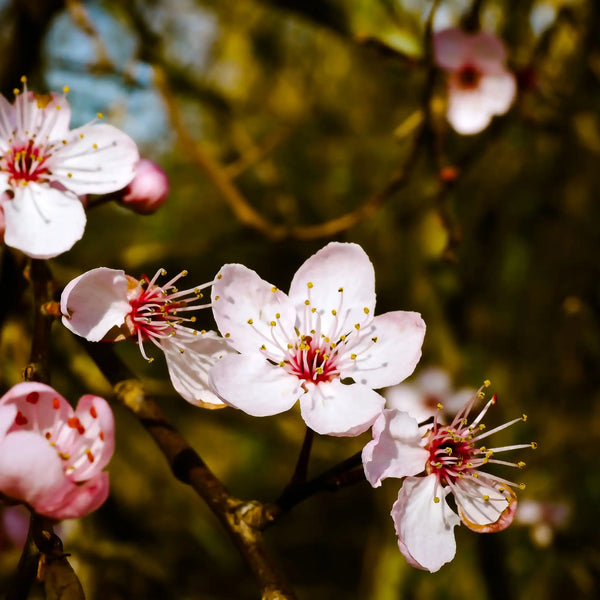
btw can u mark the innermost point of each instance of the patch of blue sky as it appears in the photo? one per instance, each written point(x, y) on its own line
point(133, 102)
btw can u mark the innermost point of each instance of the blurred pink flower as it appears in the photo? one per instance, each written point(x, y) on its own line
point(543, 518)
point(302, 346)
point(148, 189)
point(479, 84)
point(422, 397)
point(108, 305)
point(44, 167)
point(449, 459)
point(51, 456)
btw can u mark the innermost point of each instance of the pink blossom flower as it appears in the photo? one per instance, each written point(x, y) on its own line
point(422, 397)
point(543, 518)
point(108, 305)
point(148, 190)
point(51, 456)
point(44, 167)
point(479, 84)
point(449, 459)
point(320, 344)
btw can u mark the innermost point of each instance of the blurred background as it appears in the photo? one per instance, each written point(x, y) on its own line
point(273, 119)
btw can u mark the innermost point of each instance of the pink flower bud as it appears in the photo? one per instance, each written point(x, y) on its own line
point(148, 189)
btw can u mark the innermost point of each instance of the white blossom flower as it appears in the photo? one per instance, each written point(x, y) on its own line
point(45, 167)
point(321, 344)
point(479, 84)
point(106, 304)
point(436, 461)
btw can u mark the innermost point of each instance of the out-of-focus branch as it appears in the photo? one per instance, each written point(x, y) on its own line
point(236, 515)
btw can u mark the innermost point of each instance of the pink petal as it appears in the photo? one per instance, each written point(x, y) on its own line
point(189, 370)
point(425, 528)
point(97, 159)
point(253, 385)
point(395, 450)
point(30, 469)
point(43, 221)
point(488, 51)
point(95, 302)
point(408, 398)
point(82, 499)
point(97, 420)
point(7, 419)
point(451, 48)
point(334, 267)
point(244, 306)
point(395, 353)
point(332, 408)
point(148, 190)
point(53, 120)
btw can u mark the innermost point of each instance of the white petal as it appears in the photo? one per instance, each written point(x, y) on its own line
point(395, 450)
point(334, 267)
point(245, 306)
point(189, 369)
point(481, 515)
point(499, 92)
point(42, 221)
point(425, 528)
point(332, 408)
point(468, 111)
point(96, 160)
point(408, 398)
point(253, 385)
point(95, 302)
point(394, 349)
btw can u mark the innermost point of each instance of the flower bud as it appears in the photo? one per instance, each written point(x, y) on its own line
point(148, 189)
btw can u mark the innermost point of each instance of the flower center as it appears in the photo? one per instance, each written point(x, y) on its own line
point(24, 163)
point(312, 360)
point(451, 455)
point(468, 77)
point(159, 312)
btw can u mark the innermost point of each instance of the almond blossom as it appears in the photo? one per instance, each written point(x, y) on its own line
point(436, 461)
point(108, 305)
point(148, 190)
point(319, 344)
point(479, 84)
point(45, 167)
point(51, 456)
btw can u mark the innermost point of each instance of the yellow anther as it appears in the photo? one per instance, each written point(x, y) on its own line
point(521, 464)
point(273, 323)
point(534, 445)
point(309, 285)
point(203, 331)
point(487, 383)
point(313, 310)
point(273, 289)
point(353, 356)
point(282, 363)
point(277, 315)
point(486, 498)
point(66, 89)
point(436, 499)
point(340, 289)
point(524, 417)
point(440, 406)
point(374, 339)
point(100, 115)
point(219, 276)
point(23, 79)
point(334, 312)
point(481, 395)
point(319, 370)
point(151, 360)
point(250, 321)
point(16, 91)
point(216, 298)
point(481, 426)
point(263, 347)
point(289, 346)
point(227, 335)
point(448, 451)
point(357, 326)
point(307, 302)
point(522, 486)
point(475, 475)
point(181, 350)
point(366, 310)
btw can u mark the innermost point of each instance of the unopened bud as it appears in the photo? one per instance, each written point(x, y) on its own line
point(148, 189)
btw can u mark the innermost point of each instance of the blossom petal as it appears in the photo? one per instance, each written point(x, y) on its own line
point(483, 507)
point(189, 369)
point(336, 267)
point(332, 408)
point(468, 111)
point(95, 302)
point(488, 51)
point(96, 438)
point(43, 221)
point(245, 306)
point(7, 418)
point(81, 499)
point(253, 385)
point(395, 450)
point(451, 48)
point(499, 91)
point(425, 528)
point(97, 159)
point(30, 469)
point(395, 340)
